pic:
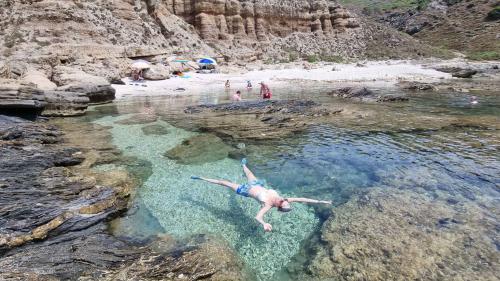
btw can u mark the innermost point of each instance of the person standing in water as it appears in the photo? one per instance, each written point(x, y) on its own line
point(227, 85)
point(473, 100)
point(268, 198)
point(237, 96)
point(265, 92)
point(249, 85)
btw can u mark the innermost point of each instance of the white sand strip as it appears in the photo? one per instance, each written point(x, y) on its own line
point(387, 72)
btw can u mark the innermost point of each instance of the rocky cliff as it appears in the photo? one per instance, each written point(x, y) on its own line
point(69, 46)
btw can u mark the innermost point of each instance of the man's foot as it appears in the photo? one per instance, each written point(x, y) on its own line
point(243, 162)
point(195, 178)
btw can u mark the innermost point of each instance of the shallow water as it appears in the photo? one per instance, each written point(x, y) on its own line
point(328, 161)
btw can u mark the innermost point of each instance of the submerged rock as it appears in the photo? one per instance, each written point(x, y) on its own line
point(199, 149)
point(365, 95)
point(389, 234)
point(138, 119)
point(349, 92)
point(154, 130)
point(416, 86)
point(252, 120)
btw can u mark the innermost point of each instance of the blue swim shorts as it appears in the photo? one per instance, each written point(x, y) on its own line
point(243, 189)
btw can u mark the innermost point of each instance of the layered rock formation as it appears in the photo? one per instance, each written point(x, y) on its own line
point(54, 213)
point(258, 19)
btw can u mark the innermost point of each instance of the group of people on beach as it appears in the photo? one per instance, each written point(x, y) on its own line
point(265, 91)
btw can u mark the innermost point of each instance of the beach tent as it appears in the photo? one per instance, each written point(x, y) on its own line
point(140, 64)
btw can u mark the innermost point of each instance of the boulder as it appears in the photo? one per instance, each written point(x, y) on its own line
point(156, 72)
point(97, 89)
point(25, 99)
point(60, 103)
point(39, 79)
point(199, 149)
point(20, 99)
point(464, 73)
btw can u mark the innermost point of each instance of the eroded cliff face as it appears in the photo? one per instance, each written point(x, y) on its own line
point(259, 19)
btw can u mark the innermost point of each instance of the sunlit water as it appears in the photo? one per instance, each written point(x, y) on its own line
point(324, 162)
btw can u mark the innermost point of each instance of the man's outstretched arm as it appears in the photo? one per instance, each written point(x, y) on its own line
point(307, 200)
point(260, 218)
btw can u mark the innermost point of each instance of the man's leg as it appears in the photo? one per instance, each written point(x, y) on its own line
point(229, 184)
point(250, 176)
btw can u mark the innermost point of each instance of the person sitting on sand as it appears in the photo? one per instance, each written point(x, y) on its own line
point(265, 92)
point(237, 96)
point(268, 198)
point(137, 74)
point(227, 85)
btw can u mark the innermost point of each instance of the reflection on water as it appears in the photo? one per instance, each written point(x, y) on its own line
point(334, 161)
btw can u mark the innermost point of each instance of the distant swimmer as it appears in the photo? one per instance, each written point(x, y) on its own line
point(473, 100)
point(268, 198)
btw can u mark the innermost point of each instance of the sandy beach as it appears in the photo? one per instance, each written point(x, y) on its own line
point(379, 73)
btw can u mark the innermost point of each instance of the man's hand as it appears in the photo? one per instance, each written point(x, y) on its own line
point(267, 227)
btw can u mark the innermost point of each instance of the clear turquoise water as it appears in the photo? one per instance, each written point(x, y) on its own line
point(326, 161)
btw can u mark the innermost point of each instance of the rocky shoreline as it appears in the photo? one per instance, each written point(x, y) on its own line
point(55, 206)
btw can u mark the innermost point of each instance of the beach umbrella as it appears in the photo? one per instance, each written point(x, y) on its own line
point(207, 61)
point(141, 64)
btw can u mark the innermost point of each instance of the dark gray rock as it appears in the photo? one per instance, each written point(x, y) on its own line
point(273, 106)
point(464, 73)
point(416, 86)
point(352, 93)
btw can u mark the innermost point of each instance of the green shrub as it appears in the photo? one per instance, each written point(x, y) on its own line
point(487, 55)
point(337, 59)
point(494, 14)
point(312, 58)
point(293, 56)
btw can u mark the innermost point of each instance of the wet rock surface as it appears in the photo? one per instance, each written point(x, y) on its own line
point(365, 95)
point(54, 213)
point(416, 86)
point(389, 234)
point(252, 120)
